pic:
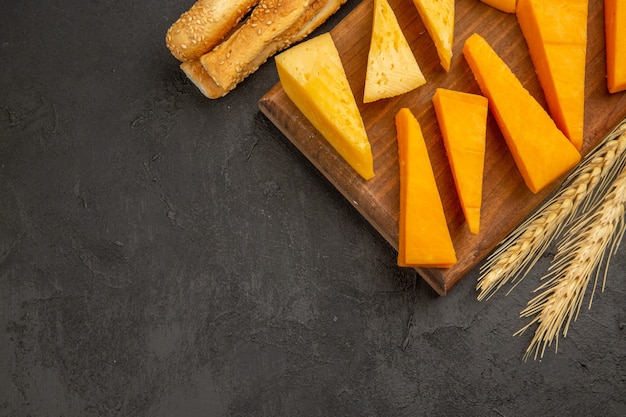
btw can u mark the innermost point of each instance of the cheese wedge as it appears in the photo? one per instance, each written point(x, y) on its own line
point(312, 75)
point(438, 17)
point(462, 118)
point(556, 34)
point(391, 66)
point(424, 238)
point(615, 31)
point(541, 151)
point(507, 6)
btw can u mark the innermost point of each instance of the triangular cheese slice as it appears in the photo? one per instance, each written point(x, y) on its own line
point(540, 150)
point(313, 77)
point(424, 237)
point(556, 34)
point(391, 66)
point(462, 118)
point(438, 17)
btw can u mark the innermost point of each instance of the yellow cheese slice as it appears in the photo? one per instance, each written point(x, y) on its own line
point(391, 66)
point(556, 34)
point(312, 75)
point(541, 151)
point(438, 17)
point(462, 118)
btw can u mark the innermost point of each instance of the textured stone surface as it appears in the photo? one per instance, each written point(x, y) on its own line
point(162, 254)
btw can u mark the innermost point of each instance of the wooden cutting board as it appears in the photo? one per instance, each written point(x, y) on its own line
point(506, 200)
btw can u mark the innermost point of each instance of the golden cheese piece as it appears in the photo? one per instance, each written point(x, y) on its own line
point(462, 118)
point(424, 237)
point(312, 75)
point(540, 150)
point(556, 34)
point(615, 32)
point(391, 66)
point(438, 17)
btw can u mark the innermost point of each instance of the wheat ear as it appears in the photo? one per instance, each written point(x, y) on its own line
point(519, 252)
point(585, 248)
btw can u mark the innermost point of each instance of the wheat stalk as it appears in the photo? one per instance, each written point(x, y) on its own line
point(585, 247)
point(519, 252)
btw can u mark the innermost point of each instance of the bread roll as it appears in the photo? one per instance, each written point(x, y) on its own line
point(198, 75)
point(204, 25)
point(273, 26)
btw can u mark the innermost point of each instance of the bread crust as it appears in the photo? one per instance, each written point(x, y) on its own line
point(273, 26)
point(322, 12)
point(204, 25)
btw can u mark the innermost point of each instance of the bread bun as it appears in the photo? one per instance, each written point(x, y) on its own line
point(201, 79)
point(204, 25)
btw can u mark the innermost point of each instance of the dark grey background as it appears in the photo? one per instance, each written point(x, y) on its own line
point(162, 254)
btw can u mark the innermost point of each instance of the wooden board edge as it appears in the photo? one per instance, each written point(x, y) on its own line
point(269, 106)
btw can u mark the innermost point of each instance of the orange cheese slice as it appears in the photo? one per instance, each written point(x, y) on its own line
point(556, 34)
point(391, 66)
point(462, 118)
point(424, 238)
point(312, 75)
point(615, 30)
point(541, 151)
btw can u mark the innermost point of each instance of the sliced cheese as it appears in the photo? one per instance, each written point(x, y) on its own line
point(615, 30)
point(438, 17)
point(556, 34)
point(541, 151)
point(507, 6)
point(391, 66)
point(312, 75)
point(462, 118)
point(424, 238)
